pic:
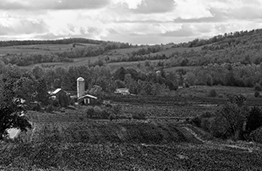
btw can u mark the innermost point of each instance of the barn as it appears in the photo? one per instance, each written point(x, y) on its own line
point(62, 97)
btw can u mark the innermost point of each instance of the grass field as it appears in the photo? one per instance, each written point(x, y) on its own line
point(68, 140)
point(39, 49)
point(222, 91)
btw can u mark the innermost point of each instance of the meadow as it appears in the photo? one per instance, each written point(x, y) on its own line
point(39, 48)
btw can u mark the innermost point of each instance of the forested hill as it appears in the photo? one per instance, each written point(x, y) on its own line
point(229, 39)
point(56, 41)
point(243, 47)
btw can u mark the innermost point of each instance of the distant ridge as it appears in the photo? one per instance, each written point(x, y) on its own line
point(56, 41)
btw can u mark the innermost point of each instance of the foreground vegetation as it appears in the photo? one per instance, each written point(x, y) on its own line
point(69, 140)
point(82, 156)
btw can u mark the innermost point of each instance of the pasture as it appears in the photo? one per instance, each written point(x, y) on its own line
point(39, 48)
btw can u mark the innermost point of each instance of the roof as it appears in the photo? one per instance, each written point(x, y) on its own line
point(56, 91)
point(87, 95)
point(122, 89)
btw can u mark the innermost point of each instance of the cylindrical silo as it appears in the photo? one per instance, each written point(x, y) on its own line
point(80, 87)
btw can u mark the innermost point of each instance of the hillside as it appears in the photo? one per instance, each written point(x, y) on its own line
point(243, 47)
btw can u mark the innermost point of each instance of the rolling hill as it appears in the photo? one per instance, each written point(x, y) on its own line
point(243, 47)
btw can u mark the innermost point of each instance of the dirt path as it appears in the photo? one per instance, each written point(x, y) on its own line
point(237, 146)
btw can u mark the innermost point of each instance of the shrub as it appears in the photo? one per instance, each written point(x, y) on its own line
point(196, 121)
point(257, 87)
point(254, 120)
point(90, 112)
point(212, 93)
point(256, 94)
point(220, 95)
point(49, 108)
point(186, 85)
point(147, 63)
point(112, 116)
point(202, 121)
point(219, 128)
point(206, 115)
point(98, 110)
point(141, 116)
point(116, 109)
point(256, 135)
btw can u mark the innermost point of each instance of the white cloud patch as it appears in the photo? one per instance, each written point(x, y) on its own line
point(52, 4)
point(184, 31)
point(155, 6)
point(13, 26)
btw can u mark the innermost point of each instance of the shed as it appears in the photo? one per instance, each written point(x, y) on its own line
point(88, 99)
point(123, 91)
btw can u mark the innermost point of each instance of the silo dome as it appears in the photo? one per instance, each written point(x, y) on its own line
point(80, 79)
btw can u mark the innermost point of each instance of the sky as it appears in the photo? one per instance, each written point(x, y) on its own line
point(132, 21)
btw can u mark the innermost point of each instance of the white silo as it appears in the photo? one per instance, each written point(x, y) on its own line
point(80, 87)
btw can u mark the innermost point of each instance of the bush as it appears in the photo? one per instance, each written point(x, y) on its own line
point(220, 95)
point(196, 121)
point(256, 135)
point(116, 109)
point(202, 121)
point(256, 94)
point(212, 93)
point(206, 115)
point(97, 112)
point(186, 85)
point(257, 87)
point(112, 116)
point(254, 120)
point(90, 112)
point(49, 108)
point(141, 116)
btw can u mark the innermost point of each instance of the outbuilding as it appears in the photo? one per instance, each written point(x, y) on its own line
point(88, 99)
point(123, 91)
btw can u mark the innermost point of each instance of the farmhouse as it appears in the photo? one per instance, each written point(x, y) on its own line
point(88, 99)
point(123, 91)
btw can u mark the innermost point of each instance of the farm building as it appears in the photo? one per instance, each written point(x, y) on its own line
point(123, 91)
point(61, 96)
point(88, 99)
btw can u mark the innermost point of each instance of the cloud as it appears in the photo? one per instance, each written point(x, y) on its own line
point(134, 21)
point(223, 11)
point(184, 31)
point(14, 26)
point(216, 16)
point(144, 21)
point(155, 6)
point(52, 4)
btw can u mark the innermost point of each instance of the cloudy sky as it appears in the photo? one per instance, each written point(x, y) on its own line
point(133, 21)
